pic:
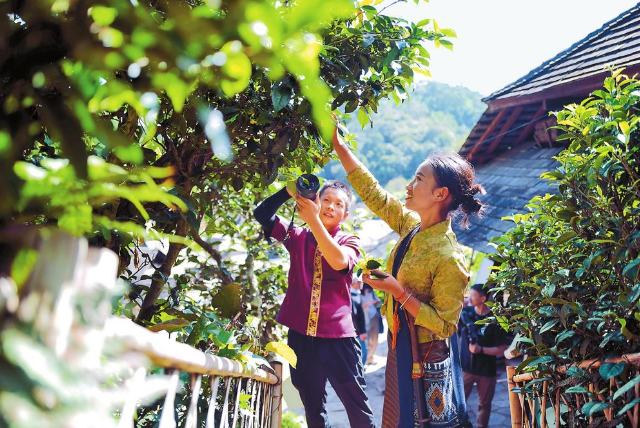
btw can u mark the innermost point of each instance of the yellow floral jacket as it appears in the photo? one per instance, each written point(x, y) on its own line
point(434, 265)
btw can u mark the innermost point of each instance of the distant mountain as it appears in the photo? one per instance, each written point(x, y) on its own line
point(436, 117)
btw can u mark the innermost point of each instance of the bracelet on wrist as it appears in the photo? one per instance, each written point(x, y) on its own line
point(403, 295)
point(405, 300)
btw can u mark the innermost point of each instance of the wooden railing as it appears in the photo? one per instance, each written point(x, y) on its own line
point(264, 387)
point(537, 400)
point(65, 306)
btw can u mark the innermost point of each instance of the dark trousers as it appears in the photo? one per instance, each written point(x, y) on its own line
point(486, 390)
point(339, 362)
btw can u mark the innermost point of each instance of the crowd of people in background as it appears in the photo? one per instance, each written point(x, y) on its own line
point(365, 308)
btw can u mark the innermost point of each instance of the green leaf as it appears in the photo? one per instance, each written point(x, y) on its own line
point(564, 335)
point(228, 300)
point(447, 44)
point(594, 407)
point(102, 15)
point(284, 351)
point(22, 265)
point(29, 172)
point(448, 32)
point(576, 389)
point(37, 361)
point(352, 104)
point(548, 290)
point(225, 337)
point(565, 237)
point(177, 89)
point(237, 69)
point(626, 387)
point(534, 361)
point(281, 94)
point(131, 153)
point(363, 117)
point(609, 370)
point(630, 405)
point(631, 270)
point(549, 325)
point(5, 142)
point(198, 331)
point(565, 214)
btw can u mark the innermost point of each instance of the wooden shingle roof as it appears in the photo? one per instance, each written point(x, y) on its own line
point(570, 76)
point(511, 179)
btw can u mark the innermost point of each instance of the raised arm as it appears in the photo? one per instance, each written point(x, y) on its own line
point(347, 158)
point(338, 256)
point(386, 206)
point(265, 213)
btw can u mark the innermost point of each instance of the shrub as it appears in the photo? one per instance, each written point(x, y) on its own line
point(570, 266)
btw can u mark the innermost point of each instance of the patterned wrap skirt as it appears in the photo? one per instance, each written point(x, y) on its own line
point(445, 407)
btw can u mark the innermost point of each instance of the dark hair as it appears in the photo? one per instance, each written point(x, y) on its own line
point(336, 184)
point(480, 289)
point(457, 175)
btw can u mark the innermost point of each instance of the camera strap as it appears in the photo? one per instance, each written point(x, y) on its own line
point(290, 227)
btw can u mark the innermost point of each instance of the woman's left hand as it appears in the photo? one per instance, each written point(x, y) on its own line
point(388, 284)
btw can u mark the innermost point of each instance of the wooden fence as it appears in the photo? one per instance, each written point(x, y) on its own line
point(541, 401)
point(65, 306)
point(265, 388)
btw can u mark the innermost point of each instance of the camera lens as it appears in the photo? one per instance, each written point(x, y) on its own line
point(308, 186)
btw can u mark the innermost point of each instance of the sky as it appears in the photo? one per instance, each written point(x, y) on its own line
point(500, 41)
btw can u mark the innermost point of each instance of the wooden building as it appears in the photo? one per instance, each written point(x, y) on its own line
point(511, 145)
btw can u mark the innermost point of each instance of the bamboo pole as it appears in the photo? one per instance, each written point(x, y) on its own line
point(557, 409)
point(211, 412)
point(224, 423)
point(236, 404)
point(591, 389)
point(543, 409)
point(514, 399)
point(129, 408)
point(167, 419)
point(277, 397)
point(636, 410)
point(192, 413)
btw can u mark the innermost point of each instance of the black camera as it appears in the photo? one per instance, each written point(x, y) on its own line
point(308, 186)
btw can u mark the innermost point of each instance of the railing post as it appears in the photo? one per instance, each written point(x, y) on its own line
point(167, 419)
point(514, 401)
point(276, 397)
point(215, 382)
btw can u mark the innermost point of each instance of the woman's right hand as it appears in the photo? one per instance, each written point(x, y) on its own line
point(347, 159)
point(335, 139)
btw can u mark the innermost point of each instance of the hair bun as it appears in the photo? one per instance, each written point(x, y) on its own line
point(471, 205)
point(477, 188)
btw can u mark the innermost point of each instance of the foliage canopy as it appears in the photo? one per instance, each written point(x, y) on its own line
point(130, 122)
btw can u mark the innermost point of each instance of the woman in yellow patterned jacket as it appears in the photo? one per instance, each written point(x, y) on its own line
point(424, 293)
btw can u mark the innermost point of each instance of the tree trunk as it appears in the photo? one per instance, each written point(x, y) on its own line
point(148, 305)
point(253, 296)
